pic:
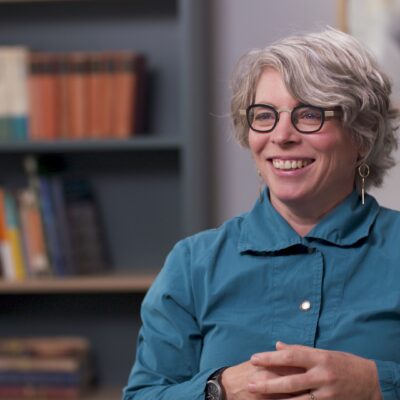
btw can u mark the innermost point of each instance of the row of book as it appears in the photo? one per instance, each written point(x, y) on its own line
point(45, 368)
point(52, 227)
point(76, 95)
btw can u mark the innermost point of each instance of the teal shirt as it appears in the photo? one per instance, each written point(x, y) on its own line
point(227, 293)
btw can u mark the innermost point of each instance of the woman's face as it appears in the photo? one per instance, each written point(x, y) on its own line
point(324, 162)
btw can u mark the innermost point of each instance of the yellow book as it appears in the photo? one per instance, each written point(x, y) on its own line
point(13, 235)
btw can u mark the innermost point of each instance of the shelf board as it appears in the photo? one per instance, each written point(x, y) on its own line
point(138, 143)
point(80, 284)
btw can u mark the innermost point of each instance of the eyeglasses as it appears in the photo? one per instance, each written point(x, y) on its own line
point(263, 118)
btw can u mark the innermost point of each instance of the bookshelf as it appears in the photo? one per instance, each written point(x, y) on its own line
point(152, 188)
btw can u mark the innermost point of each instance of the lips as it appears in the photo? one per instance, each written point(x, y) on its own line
point(290, 164)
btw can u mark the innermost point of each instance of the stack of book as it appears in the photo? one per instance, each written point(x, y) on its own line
point(79, 95)
point(50, 228)
point(44, 368)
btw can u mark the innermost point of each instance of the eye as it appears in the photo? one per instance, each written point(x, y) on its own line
point(309, 114)
point(264, 115)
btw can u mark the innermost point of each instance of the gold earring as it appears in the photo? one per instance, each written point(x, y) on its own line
point(260, 189)
point(363, 171)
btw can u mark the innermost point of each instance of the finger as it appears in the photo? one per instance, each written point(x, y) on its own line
point(296, 356)
point(282, 346)
point(293, 384)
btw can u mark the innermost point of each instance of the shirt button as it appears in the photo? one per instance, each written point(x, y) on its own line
point(310, 250)
point(305, 305)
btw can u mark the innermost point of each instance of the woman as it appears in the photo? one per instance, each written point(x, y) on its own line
point(300, 297)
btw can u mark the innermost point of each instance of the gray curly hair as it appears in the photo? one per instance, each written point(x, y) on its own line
point(328, 69)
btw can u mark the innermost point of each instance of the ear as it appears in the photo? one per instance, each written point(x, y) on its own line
point(362, 153)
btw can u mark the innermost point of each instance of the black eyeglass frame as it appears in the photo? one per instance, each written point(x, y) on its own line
point(324, 112)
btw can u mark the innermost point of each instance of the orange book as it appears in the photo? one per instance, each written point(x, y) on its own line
point(128, 94)
point(6, 261)
point(62, 74)
point(43, 96)
point(76, 95)
point(34, 97)
point(99, 95)
point(33, 233)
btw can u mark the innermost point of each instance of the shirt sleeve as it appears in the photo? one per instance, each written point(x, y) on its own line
point(389, 379)
point(169, 342)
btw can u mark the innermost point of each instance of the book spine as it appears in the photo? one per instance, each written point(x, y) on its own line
point(3, 96)
point(84, 224)
point(76, 95)
point(33, 233)
point(35, 393)
point(50, 227)
point(35, 109)
point(8, 272)
point(17, 66)
point(128, 105)
point(14, 236)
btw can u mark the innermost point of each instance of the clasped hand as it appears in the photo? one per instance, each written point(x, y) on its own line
point(295, 371)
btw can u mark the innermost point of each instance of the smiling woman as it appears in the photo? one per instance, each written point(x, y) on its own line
point(298, 298)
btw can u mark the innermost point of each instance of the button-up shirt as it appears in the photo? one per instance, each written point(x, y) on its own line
point(227, 293)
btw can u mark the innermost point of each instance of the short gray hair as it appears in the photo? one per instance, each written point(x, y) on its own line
point(327, 69)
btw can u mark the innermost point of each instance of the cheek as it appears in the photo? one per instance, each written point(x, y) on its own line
point(257, 143)
point(336, 148)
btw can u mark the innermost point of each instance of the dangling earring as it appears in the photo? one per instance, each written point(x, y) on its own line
point(363, 171)
point(260, 189)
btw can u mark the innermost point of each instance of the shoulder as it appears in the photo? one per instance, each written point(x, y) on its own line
point(192, 256)
point(207, 242)
point(388, 218)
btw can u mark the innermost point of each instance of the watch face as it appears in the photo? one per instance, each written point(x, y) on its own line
point(213, 391)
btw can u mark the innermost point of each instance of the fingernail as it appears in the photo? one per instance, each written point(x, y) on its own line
point(255, 357)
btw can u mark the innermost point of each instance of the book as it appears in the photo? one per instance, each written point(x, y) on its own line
point(52, 367)
point(51, 229)
point(39, 393)
point(76, 96)
point(37, 262)
point(44, 108)
point(86, 235)
point(8, 270)
point(61, 222)
point(3, 97)
point(13, 92)
point(44, 346)
point(14, 236)
point(18, 92)
point(100, 89)
point(128, 94)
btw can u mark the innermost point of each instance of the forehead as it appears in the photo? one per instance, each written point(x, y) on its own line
point(271, 89)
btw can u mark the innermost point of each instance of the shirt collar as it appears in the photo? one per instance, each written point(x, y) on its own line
point(265, 230)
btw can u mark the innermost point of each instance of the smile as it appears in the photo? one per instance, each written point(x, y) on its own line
point(290, 164)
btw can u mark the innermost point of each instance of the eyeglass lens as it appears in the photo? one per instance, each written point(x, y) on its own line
point(263, 118)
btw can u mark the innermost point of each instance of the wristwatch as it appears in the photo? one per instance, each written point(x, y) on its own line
point(214, 388)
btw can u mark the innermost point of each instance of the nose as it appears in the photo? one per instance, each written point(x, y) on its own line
point(284, 131)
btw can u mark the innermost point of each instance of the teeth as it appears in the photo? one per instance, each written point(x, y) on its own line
point(290, 164)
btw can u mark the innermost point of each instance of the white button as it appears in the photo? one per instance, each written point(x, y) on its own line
point(305, 305)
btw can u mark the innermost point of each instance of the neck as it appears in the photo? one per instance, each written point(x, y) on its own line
point(303, 215)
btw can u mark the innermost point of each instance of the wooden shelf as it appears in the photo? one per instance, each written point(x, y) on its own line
point(81, 284)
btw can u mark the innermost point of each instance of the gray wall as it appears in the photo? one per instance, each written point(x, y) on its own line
point(238, 26)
